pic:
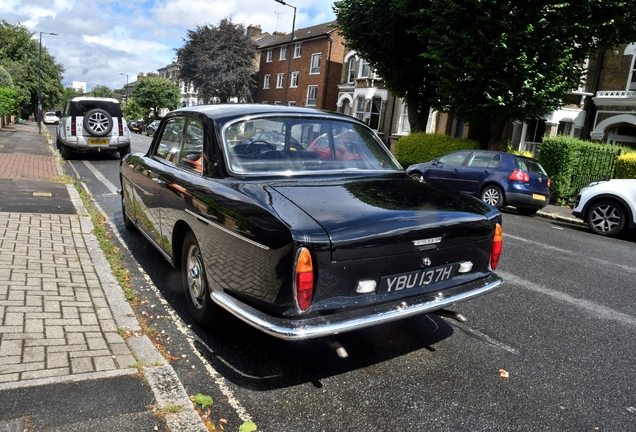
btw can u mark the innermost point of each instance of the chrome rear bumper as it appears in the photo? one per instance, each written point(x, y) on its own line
point(315, 327)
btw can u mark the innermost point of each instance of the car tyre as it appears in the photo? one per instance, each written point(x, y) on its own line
point(98, 122)
point(527, 211)
point(123, 151)
point(607, 218)
point(197, 292)
point(417, 176)
point(127, 222)
point(492, 195)
point(66, 152)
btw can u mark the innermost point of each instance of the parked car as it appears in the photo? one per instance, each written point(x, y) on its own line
point(152, 128)
point(92, 124)
point(298, 245)
point(498, 178)
point(608, 207)
point(50, 118)
point(136, 126)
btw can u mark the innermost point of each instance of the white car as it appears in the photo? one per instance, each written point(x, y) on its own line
point(608, 206)
point(92, 124)
point(50, 118)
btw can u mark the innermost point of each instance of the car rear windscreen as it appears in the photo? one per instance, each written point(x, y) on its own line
point(82, 107)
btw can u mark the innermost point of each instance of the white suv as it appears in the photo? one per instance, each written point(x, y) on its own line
point(92, 124)
point(608, 207)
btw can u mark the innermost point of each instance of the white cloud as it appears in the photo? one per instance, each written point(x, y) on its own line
point(98, 39)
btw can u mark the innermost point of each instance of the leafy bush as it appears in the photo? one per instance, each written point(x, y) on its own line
point(9, 101)
point(423, 147)
point(572, 164)
point(626, 166)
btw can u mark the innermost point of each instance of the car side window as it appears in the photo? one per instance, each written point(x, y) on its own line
point(453, 159)
point(191, 154)
point(484, 160)
point(169, 146)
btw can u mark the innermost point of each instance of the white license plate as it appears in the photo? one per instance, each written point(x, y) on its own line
point(538, 197)
point(416, 279)
point(98, 141)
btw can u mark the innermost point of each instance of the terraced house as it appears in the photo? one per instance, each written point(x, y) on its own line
point(305, 73)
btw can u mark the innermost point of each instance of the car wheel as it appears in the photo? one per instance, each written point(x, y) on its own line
point(66, 151)
point(492, 195)
point(98, 122)
point(124, 151)
point(127, 222)
point(527, 211)
point(195, 284)
point(607, 218)
point(58, 145)
point(417, 176)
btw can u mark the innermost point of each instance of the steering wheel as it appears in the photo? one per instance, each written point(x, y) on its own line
point(267, 147)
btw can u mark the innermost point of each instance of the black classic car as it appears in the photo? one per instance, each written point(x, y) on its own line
point(300, 243)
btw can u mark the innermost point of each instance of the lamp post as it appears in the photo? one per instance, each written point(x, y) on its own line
point(39, 113)
point(125, 88)
point(290, 52)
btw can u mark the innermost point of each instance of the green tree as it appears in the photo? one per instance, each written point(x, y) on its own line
point(20, 56)
point(485, 61)
point(151, 94)
point(219, 61)
point(132, 110)
point(5, 78)
point(9, 101)
point(69, 93)
point(380, 32)
point(102, 91)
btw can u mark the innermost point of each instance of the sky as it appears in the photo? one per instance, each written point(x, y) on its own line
point(100, 42)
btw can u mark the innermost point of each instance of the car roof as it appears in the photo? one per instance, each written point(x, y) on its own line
point(92, 98)
point(227, 112)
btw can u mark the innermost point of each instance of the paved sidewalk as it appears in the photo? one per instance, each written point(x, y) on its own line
point(61, 309)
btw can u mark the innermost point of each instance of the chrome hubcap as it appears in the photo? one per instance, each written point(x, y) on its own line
point(195, 277)
point(605, 218)
point(491, 196)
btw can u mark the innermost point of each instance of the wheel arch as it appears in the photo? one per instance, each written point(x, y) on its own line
point(179, 232)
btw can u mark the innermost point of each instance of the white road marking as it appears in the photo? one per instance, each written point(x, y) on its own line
point(593, 308)
point(217, 378)
point(569, 252)
point(111, 187)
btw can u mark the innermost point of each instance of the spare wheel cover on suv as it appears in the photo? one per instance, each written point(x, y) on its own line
point(98, 122)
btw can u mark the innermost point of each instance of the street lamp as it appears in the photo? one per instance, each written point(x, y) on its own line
point(39, 114)
point(125, 88)
point(290, 51)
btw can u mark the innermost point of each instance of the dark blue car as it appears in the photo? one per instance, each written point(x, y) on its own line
point(497, 178)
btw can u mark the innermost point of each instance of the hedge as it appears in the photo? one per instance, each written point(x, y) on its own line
point(626, 166)
point(572, 164)
point(422, 147)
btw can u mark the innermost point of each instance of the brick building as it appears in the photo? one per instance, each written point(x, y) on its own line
point(314, 62)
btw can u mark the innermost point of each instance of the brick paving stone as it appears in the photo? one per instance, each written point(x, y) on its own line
point(44, 373)
point(82, 365)
point(54, 317)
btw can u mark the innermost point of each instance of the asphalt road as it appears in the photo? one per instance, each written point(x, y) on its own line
point(563, 327)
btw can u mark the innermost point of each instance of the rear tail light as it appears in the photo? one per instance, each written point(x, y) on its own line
point(121, 127)
point(495, 251)
point(73, 126)
point(304, 279)
point(519, 175)
point(548, 181)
